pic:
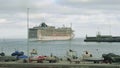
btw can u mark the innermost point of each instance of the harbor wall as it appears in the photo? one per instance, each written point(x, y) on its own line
point(56, 65)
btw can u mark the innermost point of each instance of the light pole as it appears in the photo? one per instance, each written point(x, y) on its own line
point(28, 32)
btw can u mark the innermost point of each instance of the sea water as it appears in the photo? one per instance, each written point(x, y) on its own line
point(59, 48)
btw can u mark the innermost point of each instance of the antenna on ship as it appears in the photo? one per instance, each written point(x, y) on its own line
point(98, 32)
point(28, 32)
point(71, 31)
point(70, 34)
point(110, 28)
point(2, 46)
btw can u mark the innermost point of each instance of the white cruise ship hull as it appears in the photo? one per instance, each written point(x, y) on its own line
point(47, 38)
point(55, 38)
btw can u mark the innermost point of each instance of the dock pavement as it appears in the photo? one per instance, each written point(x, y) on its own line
point(56, 65)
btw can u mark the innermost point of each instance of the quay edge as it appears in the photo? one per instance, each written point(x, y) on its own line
point(56, 65)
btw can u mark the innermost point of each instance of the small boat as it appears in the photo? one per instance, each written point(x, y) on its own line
point(5, 58)
point(87, 56)
point(33, 52)
point(19, 55)
point(111, 57)
point(72, 56)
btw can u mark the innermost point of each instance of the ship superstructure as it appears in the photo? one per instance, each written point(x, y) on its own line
point(45, 32)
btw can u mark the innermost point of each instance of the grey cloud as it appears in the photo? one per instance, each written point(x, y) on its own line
point(7, 4)
point(91, 4)
point(85, 16)
point(13, 6)
point(60, 7)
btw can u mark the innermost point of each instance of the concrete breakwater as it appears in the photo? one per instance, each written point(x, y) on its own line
point(55, 65)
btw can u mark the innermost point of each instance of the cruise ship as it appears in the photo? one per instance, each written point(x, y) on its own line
point(45, 32)
point(102, 38)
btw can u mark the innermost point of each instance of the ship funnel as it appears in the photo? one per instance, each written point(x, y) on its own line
point(43, 24)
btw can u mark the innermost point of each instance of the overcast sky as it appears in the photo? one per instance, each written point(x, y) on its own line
point(87, 16)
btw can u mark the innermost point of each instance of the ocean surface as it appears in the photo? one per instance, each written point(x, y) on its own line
point(58, 48)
